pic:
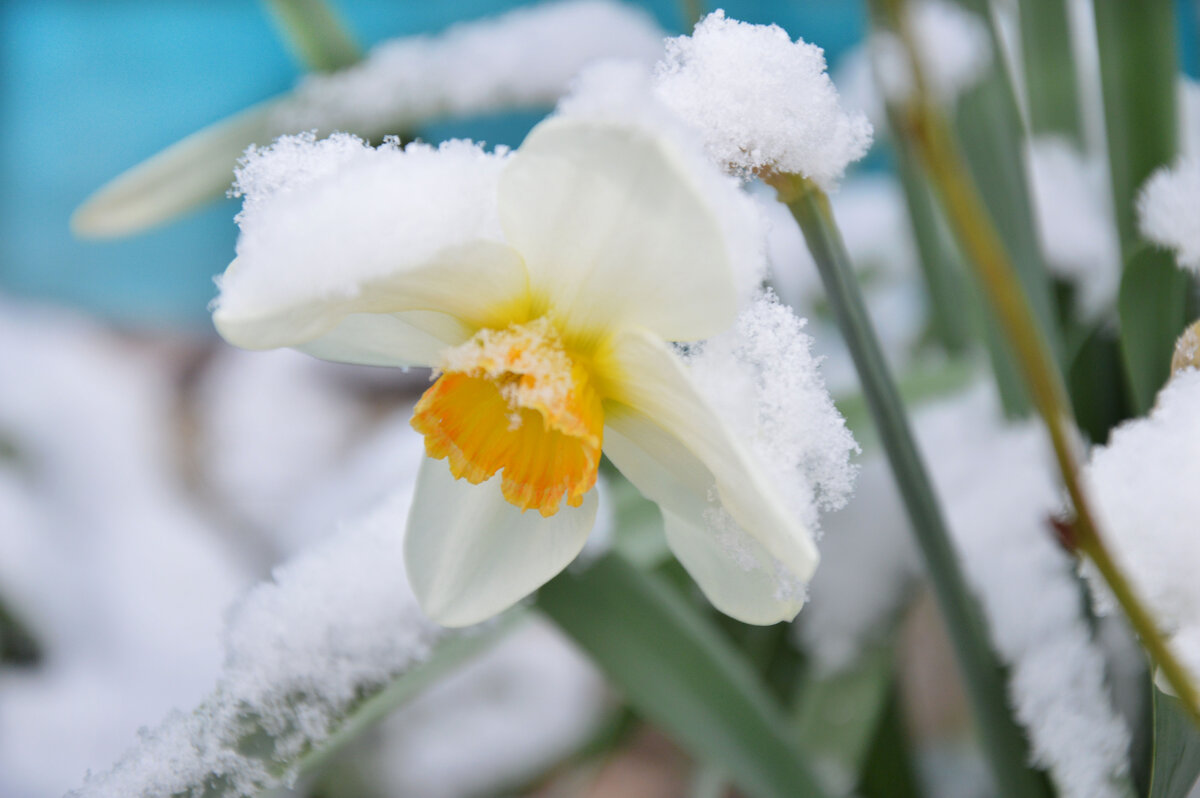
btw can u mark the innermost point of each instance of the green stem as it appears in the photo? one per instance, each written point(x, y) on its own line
point(1003, 742)
point(931, 136)
point(316, 34)
point(692, 12)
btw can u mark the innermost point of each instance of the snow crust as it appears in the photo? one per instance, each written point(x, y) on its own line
point(524, 58)
point(761, 101)
point(1168, 209)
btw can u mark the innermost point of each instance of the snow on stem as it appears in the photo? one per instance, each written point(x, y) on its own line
point(930, 135)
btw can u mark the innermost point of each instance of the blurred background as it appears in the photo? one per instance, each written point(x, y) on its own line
point(150, 474)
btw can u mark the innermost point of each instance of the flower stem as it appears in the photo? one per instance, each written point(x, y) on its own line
point(1003, 741)
point(930, 135)
point(316, 33)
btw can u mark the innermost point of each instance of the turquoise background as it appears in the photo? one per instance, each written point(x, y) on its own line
point(90, 88)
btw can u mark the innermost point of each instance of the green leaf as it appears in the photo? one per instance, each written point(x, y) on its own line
point(236, 752)
point(989, 127)
point(1152, 304)
point(837, 716)
point(1176, 762)
point(888, 771)
point(1139, 63)
point(945, 281)
point(1138, 73)
point(316, 34)
point(1097, 383)
point(17, 645)
point(678, 670)
point(450, 653)
point(178, 180)
point(1051, 85)
point(1003, 741)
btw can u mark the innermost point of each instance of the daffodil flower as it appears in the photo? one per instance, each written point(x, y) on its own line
point(550, 344)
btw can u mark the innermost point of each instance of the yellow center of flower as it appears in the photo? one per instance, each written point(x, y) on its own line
point(514, 400)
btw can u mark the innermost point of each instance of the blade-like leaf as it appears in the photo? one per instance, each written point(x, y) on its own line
point(945, 281)
point(1152, 304)
point(17, 645)
point(1003, 741)
point(1051, 85)
point(177, 180)
point(230, 750)
point(316, 34)
point(888, 771)
point(837, 716)
point(679, 672)
point(1176, 761)
point(989, 126)
point(1138, 72)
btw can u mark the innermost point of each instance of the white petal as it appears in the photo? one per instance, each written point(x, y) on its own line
point(481, 284)
point(415, 338)
point(470, 554)
point(648, 378)
point(613, 230)
point(736, 573)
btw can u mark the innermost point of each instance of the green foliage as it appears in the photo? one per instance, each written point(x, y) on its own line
point(1176, 762)
point(679, 671)
point(1003, 741)
point(316, 34)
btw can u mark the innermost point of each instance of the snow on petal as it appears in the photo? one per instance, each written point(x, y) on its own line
point(655, 387)
point(761, 379)
point(335, 226)
point(760, 100)
point(1168, 209)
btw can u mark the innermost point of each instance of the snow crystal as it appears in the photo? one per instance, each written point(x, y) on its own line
point(115, 572)
point(869, 565)
point(871, 213)
point(271, 426)
point(1070, 194)
point(525, 58)
point(1169, 210)
point(509, 715)
point(1026, 585)
point(336, 624)
point(761, 377)
point(761, 101)
point(953, 45)
point(322, 217)
point(622, 92)
point(1143, 484)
